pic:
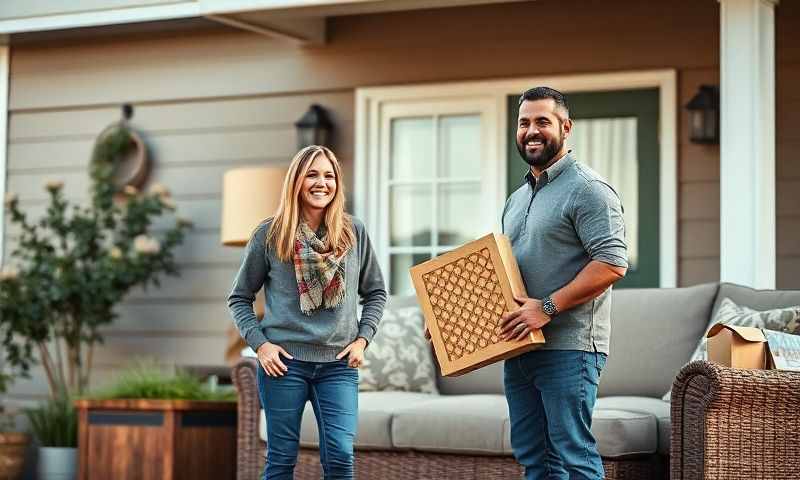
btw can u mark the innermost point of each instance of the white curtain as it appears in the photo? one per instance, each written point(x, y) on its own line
point(608, 146)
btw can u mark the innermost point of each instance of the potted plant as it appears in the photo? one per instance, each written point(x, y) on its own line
point(173, 426)
point(55, 426)
point(71, 267)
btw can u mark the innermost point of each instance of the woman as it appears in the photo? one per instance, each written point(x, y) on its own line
point(314, 262)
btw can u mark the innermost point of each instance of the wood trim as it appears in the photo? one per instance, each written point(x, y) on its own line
point(163, 405)
point(5, 57)
point(370, 101)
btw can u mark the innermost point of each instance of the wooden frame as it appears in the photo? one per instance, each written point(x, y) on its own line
point(463, 293)
point(156, 439)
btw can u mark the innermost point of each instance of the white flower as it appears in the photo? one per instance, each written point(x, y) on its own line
point(167, 202)
point(146, 245)
point(54, 185)
point(115, 253)
point(9, 273)
point(159, 189)
point(11, 197)
point(130, 190)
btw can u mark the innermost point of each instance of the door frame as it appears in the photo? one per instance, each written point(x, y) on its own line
point(370, 101)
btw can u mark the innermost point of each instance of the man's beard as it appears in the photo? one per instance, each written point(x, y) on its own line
point(549, 150)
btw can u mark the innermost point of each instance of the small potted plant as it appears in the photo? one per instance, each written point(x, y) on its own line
point(55, 426)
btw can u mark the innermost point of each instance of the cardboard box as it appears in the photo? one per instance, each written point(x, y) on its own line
point(463, 294)
point(748, 347)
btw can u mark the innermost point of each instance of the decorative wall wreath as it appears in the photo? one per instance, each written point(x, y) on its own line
point(120, 155)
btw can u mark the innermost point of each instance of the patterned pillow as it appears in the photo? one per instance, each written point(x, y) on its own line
point(779, 319)
point(399, 357)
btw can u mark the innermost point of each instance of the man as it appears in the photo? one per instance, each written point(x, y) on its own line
point(567, 234)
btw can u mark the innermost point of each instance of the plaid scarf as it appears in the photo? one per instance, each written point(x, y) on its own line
point(320, 274)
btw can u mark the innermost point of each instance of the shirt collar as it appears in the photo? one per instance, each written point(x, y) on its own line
point(553, 171)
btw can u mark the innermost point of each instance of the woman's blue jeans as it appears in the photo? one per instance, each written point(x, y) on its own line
point(332, 389)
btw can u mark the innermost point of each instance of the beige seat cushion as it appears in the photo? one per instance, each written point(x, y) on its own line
point(466, 424)
point(653, 406)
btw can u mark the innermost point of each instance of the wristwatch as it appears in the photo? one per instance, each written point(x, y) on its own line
point(549, 307)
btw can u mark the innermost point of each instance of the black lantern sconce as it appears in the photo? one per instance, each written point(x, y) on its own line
point(704, 115)
point(314, 128)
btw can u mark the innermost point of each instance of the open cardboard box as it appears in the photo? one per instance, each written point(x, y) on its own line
point(748, 347)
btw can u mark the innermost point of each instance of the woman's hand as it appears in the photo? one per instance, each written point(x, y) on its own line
point(269, 356)
point(355, 351)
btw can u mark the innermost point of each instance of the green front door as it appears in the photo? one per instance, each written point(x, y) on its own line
point(615, 133)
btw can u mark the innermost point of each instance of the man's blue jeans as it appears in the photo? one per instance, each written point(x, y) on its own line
point(551, 394)
point(332, 389)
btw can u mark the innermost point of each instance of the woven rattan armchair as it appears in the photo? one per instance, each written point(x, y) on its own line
point(399, 465)
point(730, 424)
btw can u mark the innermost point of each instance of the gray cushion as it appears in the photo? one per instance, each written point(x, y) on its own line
point(476, 424)
point(757, 299)
point(399, 358)
point(654, 406)
point(375, 410)
point(488, 379)
point(621, 433)
point(658, 328)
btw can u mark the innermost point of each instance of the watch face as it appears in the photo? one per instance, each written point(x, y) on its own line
point(548, 307)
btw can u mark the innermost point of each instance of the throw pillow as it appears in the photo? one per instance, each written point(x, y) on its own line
point(399, 358)
point(779, 319)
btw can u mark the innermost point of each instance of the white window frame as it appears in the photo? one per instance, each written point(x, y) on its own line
point(371, 103)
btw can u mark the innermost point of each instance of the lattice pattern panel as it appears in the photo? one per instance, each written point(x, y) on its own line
point(463, 295)
point(467, 303)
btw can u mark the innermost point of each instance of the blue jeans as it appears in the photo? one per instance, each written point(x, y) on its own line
point(332, 388)
point(551, 394)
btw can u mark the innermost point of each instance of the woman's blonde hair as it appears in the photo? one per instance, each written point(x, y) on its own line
point(339, 226)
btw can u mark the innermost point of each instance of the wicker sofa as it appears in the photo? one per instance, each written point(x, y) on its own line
point(723, 423)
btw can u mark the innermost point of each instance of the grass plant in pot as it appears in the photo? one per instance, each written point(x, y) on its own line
point(173, 426)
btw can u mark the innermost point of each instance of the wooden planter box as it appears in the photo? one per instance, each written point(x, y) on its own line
point(463, 294)
point(156, 439)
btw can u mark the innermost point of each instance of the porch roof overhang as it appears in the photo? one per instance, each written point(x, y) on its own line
point(297, 21)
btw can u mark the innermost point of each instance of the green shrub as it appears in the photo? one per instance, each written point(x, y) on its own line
point(148, 381)
point(55, 423)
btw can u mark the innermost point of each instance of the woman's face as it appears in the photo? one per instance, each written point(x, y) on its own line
point(319, 184)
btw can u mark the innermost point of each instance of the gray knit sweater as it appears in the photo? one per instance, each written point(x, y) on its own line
point(322, 335)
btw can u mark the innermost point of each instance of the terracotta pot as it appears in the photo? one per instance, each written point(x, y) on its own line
point(12, 454)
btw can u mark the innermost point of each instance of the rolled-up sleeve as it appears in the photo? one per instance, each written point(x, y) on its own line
point(599, 223)
point(248, 281)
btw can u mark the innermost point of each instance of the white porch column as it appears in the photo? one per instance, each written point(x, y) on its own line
point(747, 142)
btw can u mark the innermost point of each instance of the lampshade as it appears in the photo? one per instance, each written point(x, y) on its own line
point(249, 195)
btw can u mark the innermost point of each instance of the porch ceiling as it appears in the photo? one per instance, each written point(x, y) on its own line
point(298, 21)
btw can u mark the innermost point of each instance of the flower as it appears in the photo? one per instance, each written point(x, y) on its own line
point(159, 190)
point(11, 198)
point(146, 245)
point(54, 185)
point(9, 273)
point(168, 203)
point(130, 190)
point(115, 253)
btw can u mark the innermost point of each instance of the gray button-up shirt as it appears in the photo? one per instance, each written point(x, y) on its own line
point(557, 224)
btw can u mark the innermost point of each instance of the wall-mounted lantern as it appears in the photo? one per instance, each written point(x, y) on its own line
point(314, 128)
point(704, 115)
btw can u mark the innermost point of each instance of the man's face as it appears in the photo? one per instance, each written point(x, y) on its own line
point(541, 131)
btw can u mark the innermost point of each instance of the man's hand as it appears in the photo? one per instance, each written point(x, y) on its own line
point(355, 351)
point(269, 356)
point(518, 324)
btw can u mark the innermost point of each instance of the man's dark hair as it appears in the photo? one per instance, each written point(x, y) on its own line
point(541, 93)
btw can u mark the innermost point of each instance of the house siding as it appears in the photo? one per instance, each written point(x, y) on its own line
point(208, 101)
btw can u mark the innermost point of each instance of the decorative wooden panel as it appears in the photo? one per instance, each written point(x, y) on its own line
point(463, 294)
